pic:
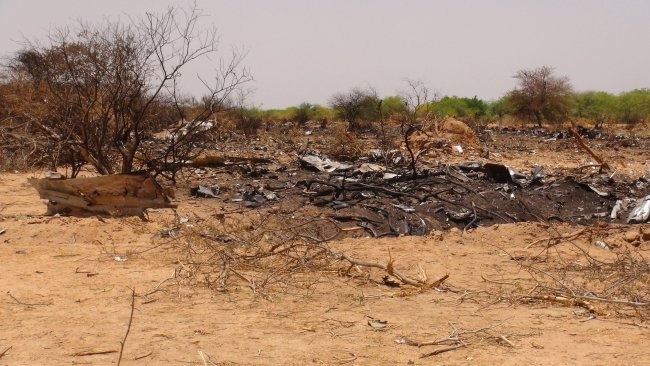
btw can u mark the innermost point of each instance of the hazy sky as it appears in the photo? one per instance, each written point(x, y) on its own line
point(302, 50)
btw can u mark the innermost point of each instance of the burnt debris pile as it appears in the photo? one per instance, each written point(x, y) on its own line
point(368, 197)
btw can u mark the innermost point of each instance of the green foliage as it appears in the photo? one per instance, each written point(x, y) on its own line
point(306, 112)
point(633, 107)
point(464, 108)
point(498, 109)
point(281, 114)
point(598, 106)
point(392, 105)
point(630, 108)
point(303, 113)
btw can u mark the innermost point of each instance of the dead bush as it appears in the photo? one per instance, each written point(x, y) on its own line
point(565, 273)
point(343, 145)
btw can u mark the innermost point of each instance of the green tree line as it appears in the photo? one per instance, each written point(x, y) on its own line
point(598, 107)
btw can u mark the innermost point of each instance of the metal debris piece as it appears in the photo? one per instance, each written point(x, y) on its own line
point(271, 196)
point(462, 215)
point(602, 244)
point(337, 205)
point(370, 168)
point(589, 187)
point(616, 209)
point(2, 231)
point(323, 165)
point(378, 324)
point(641, 211)
point(204, 192)
point(472, 166)
point(53, 175)
point(538, 174)
point(405, 208)
point(498, 173)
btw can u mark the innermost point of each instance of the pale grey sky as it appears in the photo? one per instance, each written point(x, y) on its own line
point(304, 50)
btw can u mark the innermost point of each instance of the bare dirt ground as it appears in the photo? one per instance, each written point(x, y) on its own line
point(66, 284)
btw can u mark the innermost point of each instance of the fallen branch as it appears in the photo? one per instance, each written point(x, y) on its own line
point(603, 165)
point(614, 301)
point(389, 269)
point(565, 300)
point(128, 328)
point(557, 239)
point(441, 350)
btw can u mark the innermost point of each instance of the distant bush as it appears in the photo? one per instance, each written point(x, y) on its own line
point(358, 107)
point(306, 112)
point(248, 120)
point(634, 107)
point(597, 106)
point(392, 105)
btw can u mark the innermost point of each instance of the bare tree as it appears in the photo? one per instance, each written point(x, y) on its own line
point(99, 91)
point(540, 95)
point(417, 99)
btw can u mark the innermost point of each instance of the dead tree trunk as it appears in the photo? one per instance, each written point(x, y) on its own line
point(120, 194)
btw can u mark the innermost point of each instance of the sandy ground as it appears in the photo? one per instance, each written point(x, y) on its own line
point(65, 298)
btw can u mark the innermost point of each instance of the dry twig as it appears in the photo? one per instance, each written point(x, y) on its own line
point(92, 353)
point(25, 303)
point(5, 351)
